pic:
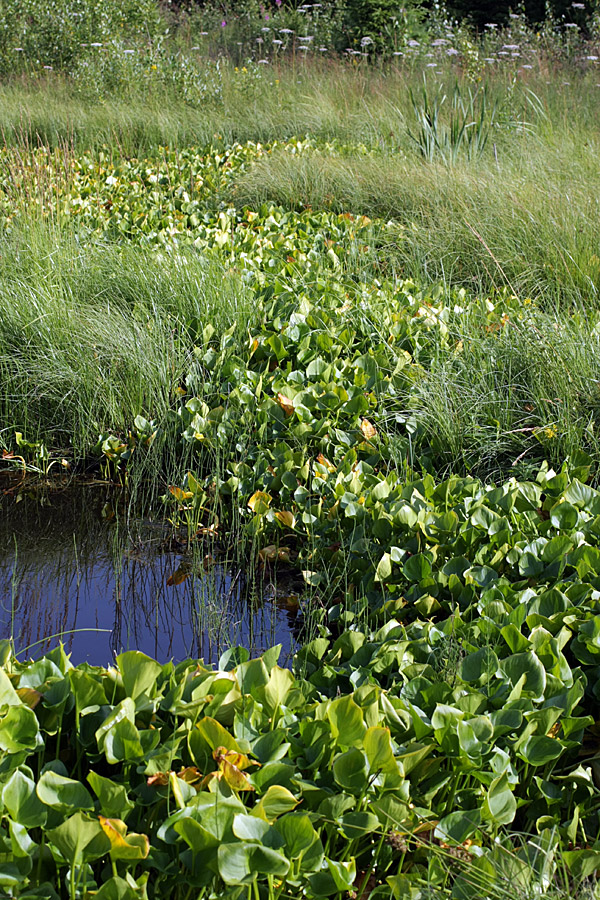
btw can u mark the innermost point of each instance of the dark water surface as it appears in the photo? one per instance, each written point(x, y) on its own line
point(70, 560)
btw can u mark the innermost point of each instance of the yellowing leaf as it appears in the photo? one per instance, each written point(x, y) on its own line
point(286, 404)
point(190, 774)
point(179, 493)
point(177, 577)
point(234, 777)
point(322, 460)
point(368, 430)
point(240, 760)
point(286, 518)
point(29, 696)
point(259, 502)
point(123, 845)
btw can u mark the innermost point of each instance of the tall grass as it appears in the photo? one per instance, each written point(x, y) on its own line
point(92, 336)
point(503, 402)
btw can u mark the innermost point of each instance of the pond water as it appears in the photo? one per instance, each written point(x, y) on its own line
point(75, 569)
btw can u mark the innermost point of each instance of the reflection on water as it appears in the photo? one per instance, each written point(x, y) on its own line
point(64, 567)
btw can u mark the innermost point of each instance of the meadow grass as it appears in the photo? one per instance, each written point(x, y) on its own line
point(523, 216)
point(327, 99)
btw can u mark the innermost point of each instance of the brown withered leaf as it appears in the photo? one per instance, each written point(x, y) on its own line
point(177, 577)
point(273, 553)
point(160, 779)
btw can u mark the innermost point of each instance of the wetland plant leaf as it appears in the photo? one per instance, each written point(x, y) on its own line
point(378, 748)
point(384, 568)
point(417, 567)
point(250, 828)
point(343, 873)
point(347, 723)
point(8, 695)
point(277, 688)
point(139, 673)
point(121, 742)
point(22, 802)
point(80, 839)
point(277, 801)
point(297, 833)
point(18, 729)
point(564, 516)
point(484, 576)
point(242, 863)
point(116, 888)
point(528, 669)
point(456, 827)
point(63, 794)
point(479, 666)
point(87, 689)
point(500, 805)
point(538, 750)
point(350, 770)
point(113, 798)
point(355, 825)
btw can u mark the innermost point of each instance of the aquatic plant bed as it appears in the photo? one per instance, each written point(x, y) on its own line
point(454, 700)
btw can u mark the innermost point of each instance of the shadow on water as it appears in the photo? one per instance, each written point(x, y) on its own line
point(72, 570)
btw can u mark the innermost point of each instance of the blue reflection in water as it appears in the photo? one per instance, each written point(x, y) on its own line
point(63, 569)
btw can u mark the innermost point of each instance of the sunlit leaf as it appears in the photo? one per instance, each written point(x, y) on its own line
point(286, 518)
point(259, 502)
point(368, 430)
